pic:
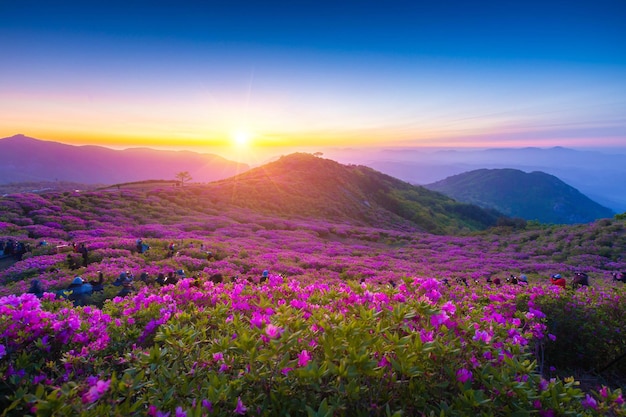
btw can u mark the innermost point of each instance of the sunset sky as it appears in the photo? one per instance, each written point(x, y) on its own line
point(204, 75)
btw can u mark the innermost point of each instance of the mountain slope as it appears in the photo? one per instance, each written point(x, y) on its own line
point(305, 185)
point(532, 196)
point(25, 159)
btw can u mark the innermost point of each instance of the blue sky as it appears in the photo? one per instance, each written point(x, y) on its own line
point(290, 74)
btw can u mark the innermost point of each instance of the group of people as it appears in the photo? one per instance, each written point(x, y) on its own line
point(580, 279)
point(14, 248)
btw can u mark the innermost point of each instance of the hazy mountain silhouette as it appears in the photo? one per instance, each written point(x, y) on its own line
point(308, 186)
point(532, 196)
point(599, 175)
point(25, 159)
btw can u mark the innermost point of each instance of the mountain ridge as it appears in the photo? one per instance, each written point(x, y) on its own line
point(26, 159)
point(531, 196)
point(306, 185)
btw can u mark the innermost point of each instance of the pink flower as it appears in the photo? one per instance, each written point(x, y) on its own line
point(304, 358)
point(273, 332)
point(463, 375)
point(604, 392)
point(483, 336)
point(96, 391)
point(240, 409)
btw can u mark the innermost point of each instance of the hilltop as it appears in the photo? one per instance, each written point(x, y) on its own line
point(26, 159)
point(305, 185)
point(532, 196)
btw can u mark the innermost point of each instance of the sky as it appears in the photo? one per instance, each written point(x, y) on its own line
point(234, 77)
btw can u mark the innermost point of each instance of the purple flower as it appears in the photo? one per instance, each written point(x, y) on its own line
point(180, 412)
point(240, 409)
point(3, 351)
point(208, 405)
point(589, 402)
point(463, 375)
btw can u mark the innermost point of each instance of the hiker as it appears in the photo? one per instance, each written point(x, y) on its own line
point(125, 277)
point(160, 279)
point(216, 278)
point(82, 249)
point(619, 277)
point(580, 280)
point(36, 288)
point(145, 278)
point(127, 288)
point(523, 280)
point(264, 276)
point(558, 280)
point(98, 286)
point(80, 291)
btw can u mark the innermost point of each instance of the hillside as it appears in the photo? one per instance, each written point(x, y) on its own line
point(305, 185)
point(532, 196)
point(24, 159)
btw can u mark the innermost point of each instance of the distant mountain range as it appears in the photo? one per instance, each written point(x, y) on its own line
point(25, 159)
point(599, 175)
point(307, 186)
point(531, 196)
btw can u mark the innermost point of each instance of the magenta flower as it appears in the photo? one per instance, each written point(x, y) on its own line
point(240, 409)
point(304, 358)
point(463, 375)
point(619, 400)
point(273, 332)
point(96, 391)
point(483, 336)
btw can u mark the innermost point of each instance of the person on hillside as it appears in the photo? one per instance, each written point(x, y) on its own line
point(127, 288)
point(98, 286)
point(619, 277)
point(523, 280)
point(36, 288)
point(139, 245)
point(170, 279)
point(82, 249)
point(160, 279)
point(264, 276)
point(80, 291)
point(580, 280)
point(558, 280)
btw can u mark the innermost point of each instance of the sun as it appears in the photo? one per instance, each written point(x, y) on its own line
point(241, 138)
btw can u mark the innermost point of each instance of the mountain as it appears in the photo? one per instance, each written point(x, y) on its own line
point(597, 174)
point(308, 186)
point(25, 159)
point(532, 196)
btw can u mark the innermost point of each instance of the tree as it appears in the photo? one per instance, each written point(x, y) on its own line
point(183, 176)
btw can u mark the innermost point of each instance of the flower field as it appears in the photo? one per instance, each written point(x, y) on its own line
point(352, 320)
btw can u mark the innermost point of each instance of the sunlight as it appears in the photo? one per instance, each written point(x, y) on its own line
point(241, 138)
